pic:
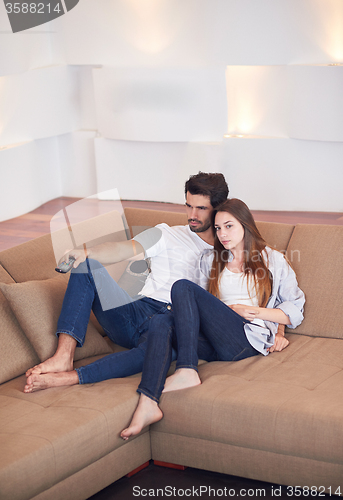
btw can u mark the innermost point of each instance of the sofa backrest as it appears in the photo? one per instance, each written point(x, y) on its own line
point(37, 259)
point(316, 254)
point(32, 260)
point(275, 234)
point(139, 219)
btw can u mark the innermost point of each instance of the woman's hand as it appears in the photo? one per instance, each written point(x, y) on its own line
point(280, 343)
point(250, 313)
point(247, 312)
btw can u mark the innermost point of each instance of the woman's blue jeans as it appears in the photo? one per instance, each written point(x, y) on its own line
point(124, 320)
point(196, 310)
point(201, 326)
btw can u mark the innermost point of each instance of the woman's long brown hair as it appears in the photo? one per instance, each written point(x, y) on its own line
point(254, 266)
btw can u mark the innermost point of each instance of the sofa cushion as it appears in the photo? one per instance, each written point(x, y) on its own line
point(37, 305)
point(17, 354)
point(315, 252)
point(284, 403)
point(48, 436)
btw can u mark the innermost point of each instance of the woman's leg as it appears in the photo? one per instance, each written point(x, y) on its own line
point(196, 310)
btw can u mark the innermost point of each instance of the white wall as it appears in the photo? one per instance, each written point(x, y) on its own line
point(137, 95)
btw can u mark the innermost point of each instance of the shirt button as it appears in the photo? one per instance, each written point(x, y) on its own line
point(169, 308)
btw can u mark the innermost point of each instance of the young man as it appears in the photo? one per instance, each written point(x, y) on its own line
point(174, 254)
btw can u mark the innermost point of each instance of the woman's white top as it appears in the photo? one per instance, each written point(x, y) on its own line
point(286, 295)
point(233, 289)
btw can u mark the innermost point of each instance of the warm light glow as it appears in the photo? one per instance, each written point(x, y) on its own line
point(245, 111)
point(334, 30)
point(234, 136)
point(151, 25)
point(250, 136)
point(9, 146)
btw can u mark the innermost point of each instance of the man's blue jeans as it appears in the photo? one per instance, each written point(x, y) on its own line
point(201, 327)
point(124, 320)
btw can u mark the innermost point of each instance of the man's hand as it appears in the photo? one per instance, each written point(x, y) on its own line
point(280, 343)
point(247, 312)
point(79, 255)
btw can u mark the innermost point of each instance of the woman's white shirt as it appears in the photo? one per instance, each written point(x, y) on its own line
point(233, 289)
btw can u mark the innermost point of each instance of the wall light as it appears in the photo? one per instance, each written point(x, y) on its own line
point(9, 146)
point(230, 136)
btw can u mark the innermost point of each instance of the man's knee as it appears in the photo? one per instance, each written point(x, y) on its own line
point(179, 287)
point(88, 266)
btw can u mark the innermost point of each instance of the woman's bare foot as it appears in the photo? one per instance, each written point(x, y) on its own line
point(61, 361)
point(146, 413)
point(37, 382)
point(183, 378)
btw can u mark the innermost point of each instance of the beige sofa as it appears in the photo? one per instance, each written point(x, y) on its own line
point(277, 418)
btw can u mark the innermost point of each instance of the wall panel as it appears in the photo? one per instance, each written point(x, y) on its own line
point(152, 171)
point(269, 174)
point(316, 102)
point(30, 176)
point(298, 101)
point(23, 51)
point(39, 103)
point(162, 105)
point(285, 174)
point(77, 163)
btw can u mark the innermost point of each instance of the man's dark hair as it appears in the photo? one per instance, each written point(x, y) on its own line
point(212, 185)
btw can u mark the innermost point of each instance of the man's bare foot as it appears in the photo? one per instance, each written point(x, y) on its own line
point(146, 413)
point(183, 378)
point(37, 382)
point(56, 364)
point(61, 361)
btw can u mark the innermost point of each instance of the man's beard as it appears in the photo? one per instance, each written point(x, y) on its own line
point(204, 226)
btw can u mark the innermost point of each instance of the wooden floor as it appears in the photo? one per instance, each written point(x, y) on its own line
point(36, 223)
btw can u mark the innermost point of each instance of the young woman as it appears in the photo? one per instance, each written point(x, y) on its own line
point(252, 290)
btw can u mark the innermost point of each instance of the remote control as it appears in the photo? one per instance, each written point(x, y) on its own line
point(64, 267)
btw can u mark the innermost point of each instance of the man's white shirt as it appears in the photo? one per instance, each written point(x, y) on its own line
point(175, 253)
